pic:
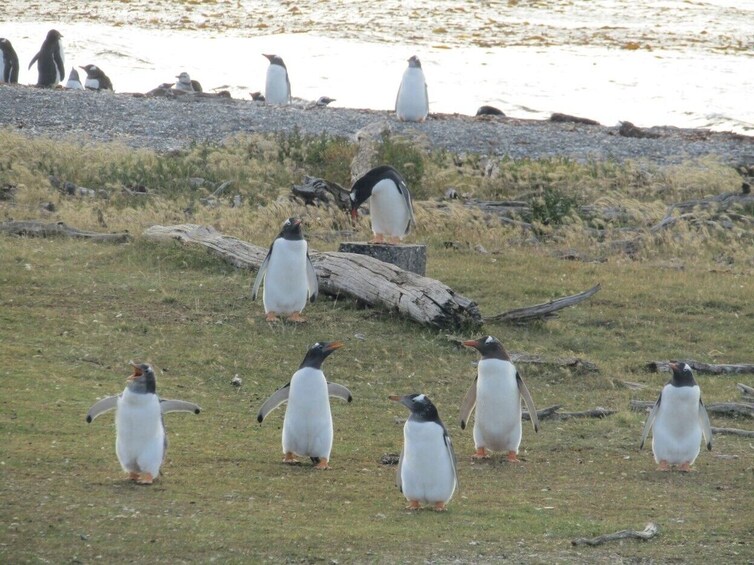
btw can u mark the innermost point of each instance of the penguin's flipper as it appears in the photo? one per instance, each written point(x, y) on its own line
point(650, 421)
point(311, 280)
point(467, 406)
point(398, 480)
point(260, 275)
point(102, 406)
point(403, 189)
point(167, 405)
point(452, 455)
point(339, 391)
point(277, 398)
point(34, 59)
point(59, 64)
point(706, 426)
point(528, 401)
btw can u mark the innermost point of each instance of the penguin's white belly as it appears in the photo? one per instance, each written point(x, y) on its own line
point(307, 426)
point(286, 287)
point(426, 469)
point(388, 210)
point(59, 71)
point(497, 424)
point(411, 104)
point(276, 86)
point(92, 83)
point(677, 432)
point(140, 436)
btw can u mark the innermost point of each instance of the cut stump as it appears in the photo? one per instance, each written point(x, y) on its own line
point(409, 257)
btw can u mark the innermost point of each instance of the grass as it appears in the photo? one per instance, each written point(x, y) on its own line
point(73, 314)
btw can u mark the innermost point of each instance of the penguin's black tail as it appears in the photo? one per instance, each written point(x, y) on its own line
point(315, 460)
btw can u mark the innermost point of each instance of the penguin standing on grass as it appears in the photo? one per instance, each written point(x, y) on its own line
point(277, 86)
point(288, 275)
point(427, 466)
point(307, 426)
point(678, 421)
point(50, 60)
point(391, 210)
point(412, 102)
point(140, 438)
point(496, 393)
point(8, 62)
point(96, 79)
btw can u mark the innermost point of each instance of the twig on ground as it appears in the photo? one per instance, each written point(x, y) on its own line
point(650, 531)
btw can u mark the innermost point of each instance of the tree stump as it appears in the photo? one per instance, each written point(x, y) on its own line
point(409, 257)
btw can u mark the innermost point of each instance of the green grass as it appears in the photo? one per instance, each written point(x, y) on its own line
point(73, 313)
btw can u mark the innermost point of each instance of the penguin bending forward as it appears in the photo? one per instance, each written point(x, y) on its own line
point(307, 425)
point(391, 210)
point(678, 420)
point(50, 60)
point(412, 102)
point(496, 393)
point(277, 86)
point(8, 62)
point(427, 465)
point(288, 275)
point(140, 438)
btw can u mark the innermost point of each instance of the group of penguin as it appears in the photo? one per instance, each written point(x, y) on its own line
point(427, 472)
point(411, 104)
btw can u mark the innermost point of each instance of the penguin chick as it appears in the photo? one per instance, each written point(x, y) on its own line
point(391, 210)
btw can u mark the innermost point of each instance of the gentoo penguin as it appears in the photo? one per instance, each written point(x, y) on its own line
point(277, 86)
point(679, 421)
point(50, 60)
point(427, 465)
point(412, 102)
point(288, 274)
point(96, 79)
point(74, 83)
point(391, 211)
point(307, 426)
point(140, 439)
point(8, 62)
point(496, 392)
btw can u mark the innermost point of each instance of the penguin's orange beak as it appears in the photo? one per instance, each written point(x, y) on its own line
point(471, 343)
point(673, 366)
point(394, 398)
point(335, 345)
point(137, 372)
point(354, 213)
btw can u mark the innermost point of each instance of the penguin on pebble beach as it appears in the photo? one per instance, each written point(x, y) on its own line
point(496, 393)
point(96, 79)
point(8, 62)
point(277, 87)
point(307, 425)
point(678, 421)
point(288, 275)
point(50, 60)
point(427, 465)
point(74, 82)
point(412, 102)
point(391, 210)
point(140, 438)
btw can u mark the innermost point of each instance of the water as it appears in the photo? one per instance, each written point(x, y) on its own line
point(683, 63)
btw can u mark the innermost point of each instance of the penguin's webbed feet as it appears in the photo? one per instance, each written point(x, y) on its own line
point(290, 459)
point(133, 476)
point(322, 464)
point(297, 318)
point(145, 479)
point(663, 466)
point(440, 507)
point(685, 468)
point(271, 317)
point(413, 505)
point(481, 453)
point(513, 457)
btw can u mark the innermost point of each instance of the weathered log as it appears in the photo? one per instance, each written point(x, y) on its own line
point(733, 432)
point(542, 414)
point(552, 413)
point(633, 386)
point(745, 390)
point(60, 229)
point(719, 202)
point(409, 257)
point(315, 191)
point(717, 408)
point(545, 310)
point(661, 366)
point(650, 531)
point(372, 282)
point(567, 118)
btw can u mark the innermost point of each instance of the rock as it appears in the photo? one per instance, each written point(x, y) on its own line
point(489, 111)
point(627, 129)
point(558, 117)
point(409, 257)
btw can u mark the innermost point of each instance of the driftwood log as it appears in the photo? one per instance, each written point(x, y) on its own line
point(718, 408)
point(365, 279)
point(545, 310)
point(60, 229)
point(650, 531)
point(733, 432)
point(552, 413)
point(664, 366)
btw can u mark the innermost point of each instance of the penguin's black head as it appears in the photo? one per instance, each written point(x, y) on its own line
point(489, 347)
point(91, 70)
point(414, 61)
point(682, 375)
point(292, 229)
point(53, 35)
point(361, 190)
point(5, 44)
point(275, 60)
point(318, 353)
point(143, 380)
point(420, 405)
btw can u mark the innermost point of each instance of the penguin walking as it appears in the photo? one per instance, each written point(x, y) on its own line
point(74, 82)
point(8, 62)
point(391, 210)
point(427, 465)
point(140, 438)
point(277, 86)
point(288, 275)
point(412, 102)
point(678, 421)
point(496, 393)
point(96, 79)
point(50, 60)
point(307, 425)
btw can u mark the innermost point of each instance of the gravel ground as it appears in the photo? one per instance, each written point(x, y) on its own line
point(165, 124)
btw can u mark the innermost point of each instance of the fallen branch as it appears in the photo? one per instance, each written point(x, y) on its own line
point(552, 413)
point(650, 531)
point(60, 229)
point(542, 414)
point(365, 279)
point(719, 408)
point(660, 366)
point(545, 310)
point(733, 432)
point(745, 390)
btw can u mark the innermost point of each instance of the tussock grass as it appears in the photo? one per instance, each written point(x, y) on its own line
point(73, 313)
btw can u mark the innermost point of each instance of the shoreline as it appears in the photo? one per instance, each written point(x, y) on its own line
point(169, 124)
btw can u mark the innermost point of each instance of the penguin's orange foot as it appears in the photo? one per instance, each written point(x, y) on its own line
point(513, 457)
point(296, 318)
point(685, 468)
point(393, 240)
point(413, 505)
point(481, 453)
point(145, 479)
point(663, 466)
point(271, 317)
point(440, 507)
point(133, 476)
point(322, 464)
point(378, 238)
point(290, 459)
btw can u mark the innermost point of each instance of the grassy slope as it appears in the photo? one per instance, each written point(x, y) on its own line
point(73, 313)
